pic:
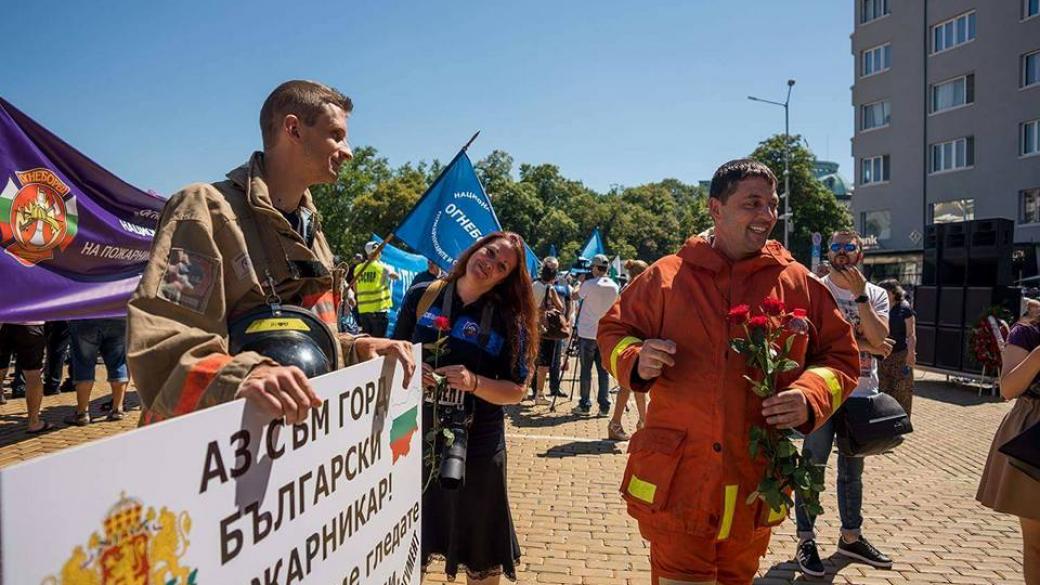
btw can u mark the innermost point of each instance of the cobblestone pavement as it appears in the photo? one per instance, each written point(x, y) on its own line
point(919, 502)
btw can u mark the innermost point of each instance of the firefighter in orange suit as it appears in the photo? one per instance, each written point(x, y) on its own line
point(689, 472)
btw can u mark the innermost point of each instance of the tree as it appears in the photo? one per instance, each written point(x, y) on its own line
point(813, 206)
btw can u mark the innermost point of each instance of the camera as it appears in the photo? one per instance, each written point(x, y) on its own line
point(454, 412)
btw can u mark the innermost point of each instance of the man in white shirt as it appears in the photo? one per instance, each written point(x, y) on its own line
point(597, 295)
point(865, 306)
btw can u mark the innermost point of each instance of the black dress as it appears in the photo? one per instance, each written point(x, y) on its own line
point(470, 528)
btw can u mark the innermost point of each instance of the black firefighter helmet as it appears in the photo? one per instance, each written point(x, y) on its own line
point(291, 336)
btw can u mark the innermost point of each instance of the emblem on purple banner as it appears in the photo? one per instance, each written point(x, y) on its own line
point(37, 216)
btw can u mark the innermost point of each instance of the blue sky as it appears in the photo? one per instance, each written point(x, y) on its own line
point(168, 93)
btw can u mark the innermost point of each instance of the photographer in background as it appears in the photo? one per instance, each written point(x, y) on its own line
point(485, 310)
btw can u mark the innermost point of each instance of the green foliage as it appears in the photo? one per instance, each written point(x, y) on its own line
point(814, 207)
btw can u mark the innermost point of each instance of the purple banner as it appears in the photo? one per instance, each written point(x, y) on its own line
point(74, 238)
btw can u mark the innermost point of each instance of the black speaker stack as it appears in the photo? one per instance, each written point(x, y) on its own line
point(967, 269)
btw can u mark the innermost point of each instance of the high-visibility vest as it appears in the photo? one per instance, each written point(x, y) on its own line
point(373, 292)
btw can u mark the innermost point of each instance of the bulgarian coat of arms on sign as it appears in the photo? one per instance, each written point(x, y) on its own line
point(138, 547)
point(37, 216)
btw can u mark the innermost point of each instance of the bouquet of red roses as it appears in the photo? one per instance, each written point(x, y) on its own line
point(766, 345)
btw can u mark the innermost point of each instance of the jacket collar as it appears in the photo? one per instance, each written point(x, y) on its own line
point(250, 178)
point(698, 252)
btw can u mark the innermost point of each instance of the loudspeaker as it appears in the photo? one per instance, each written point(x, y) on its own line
point(949, 347)
point(933, 235)
point(969, 363)
point(955, 242)
point(991, 235)
point(930, 274)
point(951, 306)
point(926, 304)
point(990, 247)
point(978, 300)
point(926, 345)
point(986, 271)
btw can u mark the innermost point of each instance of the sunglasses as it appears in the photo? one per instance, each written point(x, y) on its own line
point(847, 247)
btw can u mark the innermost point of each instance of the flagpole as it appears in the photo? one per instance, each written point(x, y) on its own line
point(391, 236)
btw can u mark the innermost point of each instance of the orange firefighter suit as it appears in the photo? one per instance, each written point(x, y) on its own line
point(689, 472)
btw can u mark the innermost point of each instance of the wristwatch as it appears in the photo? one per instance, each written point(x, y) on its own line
point(862, 299)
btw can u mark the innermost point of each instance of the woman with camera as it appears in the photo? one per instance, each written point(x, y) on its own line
point(479, 330)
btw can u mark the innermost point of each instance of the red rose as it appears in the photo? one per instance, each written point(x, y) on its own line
point(441, 324)
point(773, 307)
point(738, 315)
point(799, 313)
point(758, 322)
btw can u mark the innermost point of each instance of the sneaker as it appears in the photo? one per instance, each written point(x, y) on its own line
point(582, 410)
point(79, 419)
point(616, 432)
point(809, 559)
point(604, 411)
point(863, 551)
point(541, 401)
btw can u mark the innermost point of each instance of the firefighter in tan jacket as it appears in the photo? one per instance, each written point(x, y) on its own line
point(689, 472)
point(224, 249)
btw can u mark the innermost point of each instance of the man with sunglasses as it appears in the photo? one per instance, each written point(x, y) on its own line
point(866, 307)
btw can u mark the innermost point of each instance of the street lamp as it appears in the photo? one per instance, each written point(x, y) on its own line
point(787, 155)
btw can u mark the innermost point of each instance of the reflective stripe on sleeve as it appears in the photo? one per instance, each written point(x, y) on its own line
point(730, 506)
point(621, 346)
point(777, 515)
point(198, 379)
point(833, 385)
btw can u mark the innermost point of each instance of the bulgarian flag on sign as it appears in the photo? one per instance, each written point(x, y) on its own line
point(401, 432)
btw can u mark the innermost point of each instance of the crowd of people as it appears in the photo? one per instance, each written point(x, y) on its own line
point(665, 333)
point(41, 352)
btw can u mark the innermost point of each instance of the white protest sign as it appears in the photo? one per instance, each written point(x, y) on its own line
point(221, 497)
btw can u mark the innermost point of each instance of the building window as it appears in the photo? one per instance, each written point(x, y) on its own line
point(874, 170)
point(876, 60)
point(872, 10)
point(953, 32)
point(877, 224)
point(1030, 8)
point(1031, 69)
point(951, 211)
point(955, 154)
point(1029, 143)
point(953, 93)
point(1029, 210)
point(875, 115)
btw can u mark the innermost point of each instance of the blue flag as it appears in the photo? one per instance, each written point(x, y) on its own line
point(407, 266)
point(593, 246)
point(452, 214)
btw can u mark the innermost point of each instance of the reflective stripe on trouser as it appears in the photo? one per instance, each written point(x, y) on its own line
point(833, 385)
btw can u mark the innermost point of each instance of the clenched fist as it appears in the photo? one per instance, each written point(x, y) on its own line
point(655, 355)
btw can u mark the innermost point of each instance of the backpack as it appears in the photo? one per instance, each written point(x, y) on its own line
point(553, 322)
